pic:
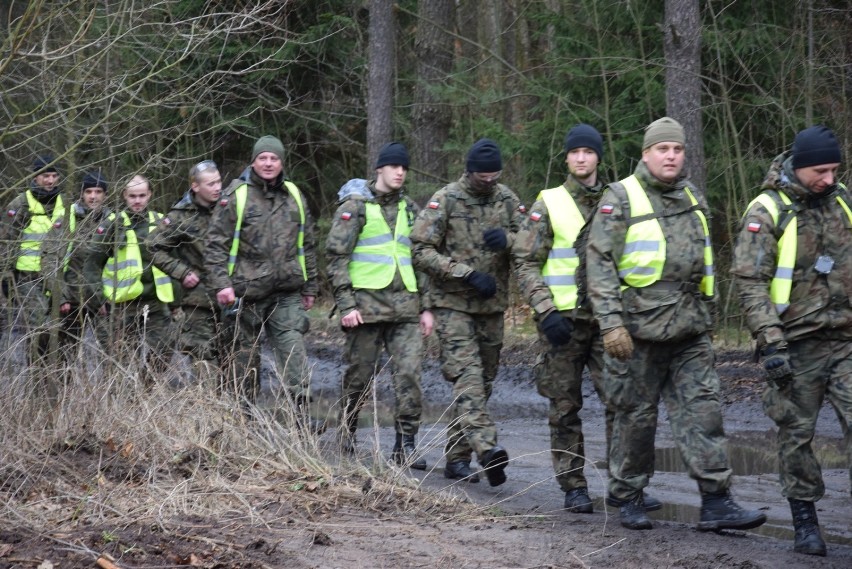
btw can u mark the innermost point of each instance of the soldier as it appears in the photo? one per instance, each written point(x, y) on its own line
point(33, 233)
point(547, 252)
point(376, 292)
point(462, 239)
point(177, 249)
point(260, 249)
point(792, 266)
point(650, 279)
point(85, 215)
point(131, 296)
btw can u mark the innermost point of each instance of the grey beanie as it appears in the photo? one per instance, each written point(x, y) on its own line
point(268, 143)
point(665, 129)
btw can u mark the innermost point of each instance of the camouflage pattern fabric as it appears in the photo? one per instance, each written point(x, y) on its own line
point(135, 328)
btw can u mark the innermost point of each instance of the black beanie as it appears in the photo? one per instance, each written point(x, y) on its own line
point(394, 154)
point(93, 180)
point(43, 164)
point(484, 156)
point(584, 136)
point(814, 146)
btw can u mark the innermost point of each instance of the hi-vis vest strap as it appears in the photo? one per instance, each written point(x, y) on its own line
point(782, 283)
point(29, 252)
point(241, 194)
point(122, 274)
point(559, 271)
point(644, 254)
point(379, 253)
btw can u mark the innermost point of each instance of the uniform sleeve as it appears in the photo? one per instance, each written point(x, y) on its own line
point(217, 246)
point(518, 215)
point(168, 236)
point(605, 246)
point(311, 286)
point(96, 254)
point(346, 226)
point(427, 242)
point(533, 243)
point(753, 266)
point(12, 223)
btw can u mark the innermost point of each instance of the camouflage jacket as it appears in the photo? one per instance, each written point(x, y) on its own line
point(177, 247)
point(267, 262)
point(86, 223)
point(535, 240)
point(819, 304)
point(394, 303)
point(448, 245)
point(650, 313)
point(53, 246)
point(107, 238)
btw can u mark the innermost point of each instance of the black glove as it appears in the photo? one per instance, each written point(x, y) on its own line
point(557, 328)
point(776, 364)
point(495, 239)
point(484, 283)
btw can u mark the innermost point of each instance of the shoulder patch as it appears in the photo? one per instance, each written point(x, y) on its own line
point(522, 208)
point(223, 202)
point(100, 230)
point(345, 216)
point(434, 205)
point(166, 221)
point(607, 208)
point(754, 227)
point(58, 223)
point(535, 216)
point(11, 213)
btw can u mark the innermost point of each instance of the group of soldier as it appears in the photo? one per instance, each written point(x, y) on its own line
point(619, 276)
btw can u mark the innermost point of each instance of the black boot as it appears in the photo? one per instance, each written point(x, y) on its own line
point(578, 501)
point(304, 422)
point(404, 452)
point(651, 503)
point(460, 470)
point(719, 511)
point(808, 538)
point(633, 514)
point(494, 462)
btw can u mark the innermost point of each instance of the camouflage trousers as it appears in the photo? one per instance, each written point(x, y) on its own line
point(30, 308)
point(404, 344)
point(201, 335)
point(284, 321)
point(821, 368)
point(470, 353)
point(559, 377)
point(138, 328)
point(682, 374)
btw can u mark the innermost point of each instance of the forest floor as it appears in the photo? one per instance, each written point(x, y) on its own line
point(420, 519)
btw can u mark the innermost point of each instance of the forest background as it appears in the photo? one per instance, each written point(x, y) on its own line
point(154, 87)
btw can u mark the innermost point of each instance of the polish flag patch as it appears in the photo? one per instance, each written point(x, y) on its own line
point(522, 208)
point(100, 230)
point(58, 224)
point(345, 216)
point(11, 213)
point(607, 208)
point(167, 221)
point(223, 202)
point(535, 216)
point(753, 227)
point(434, 205)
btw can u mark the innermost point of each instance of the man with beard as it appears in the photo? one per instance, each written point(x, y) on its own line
point(462, 240)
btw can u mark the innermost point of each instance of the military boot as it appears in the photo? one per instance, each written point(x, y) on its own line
point(651, 503)
point(808, 538)
point(578, 501)
point(719, 511)
point(460, 470)
point(633, 514)
point(404, 452)
point(348, 428)
point(494, 462)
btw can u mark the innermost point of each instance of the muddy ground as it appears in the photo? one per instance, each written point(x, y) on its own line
point(519, 524)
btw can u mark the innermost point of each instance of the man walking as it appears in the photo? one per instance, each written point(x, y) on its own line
point(792, 266)
point(462, 239)
point(650, 280)
point(378, 297)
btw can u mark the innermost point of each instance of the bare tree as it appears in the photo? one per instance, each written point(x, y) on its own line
point(682, 49)
point(380, 88)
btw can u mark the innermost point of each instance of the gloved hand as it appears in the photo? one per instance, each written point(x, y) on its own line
point(484, 283)
point(495, 239)
point(776, 364)
point(557, 328)
point(618, 343)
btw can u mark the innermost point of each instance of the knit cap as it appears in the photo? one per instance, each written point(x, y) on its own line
point(584, 135)
point(93, 180)
point(44, 163)
point(484, 156)
point(814, 146)
point(268, 143)
point(393, 153)
point(665, 129)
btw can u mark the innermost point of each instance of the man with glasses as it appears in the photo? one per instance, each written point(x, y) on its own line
point(462, 239)
point(177, 248)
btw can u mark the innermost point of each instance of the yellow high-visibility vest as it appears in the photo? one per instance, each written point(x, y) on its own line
point(559, 271)
point(29, 252)
point(379, 253)
point(122, 274)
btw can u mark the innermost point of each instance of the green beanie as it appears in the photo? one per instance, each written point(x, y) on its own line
point(665, 129)
point(268, 143)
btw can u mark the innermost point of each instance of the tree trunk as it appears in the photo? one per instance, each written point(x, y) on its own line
point(682, 49)
point(380, 87)
point(433, 46)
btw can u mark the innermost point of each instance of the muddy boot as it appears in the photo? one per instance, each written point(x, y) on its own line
point(808, 538)
point(651, 503)
point(633, 514)
point(719, 511)
point(404, 451)
point(494, 462)
point(578, 501)
point(460, 470)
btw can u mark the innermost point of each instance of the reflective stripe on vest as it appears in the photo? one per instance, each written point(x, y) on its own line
point(29, 252)
point(122, 274)
point(378, 253)
point(241, 194)
point(559, 271)
point(641, 263)
point(782, 283)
